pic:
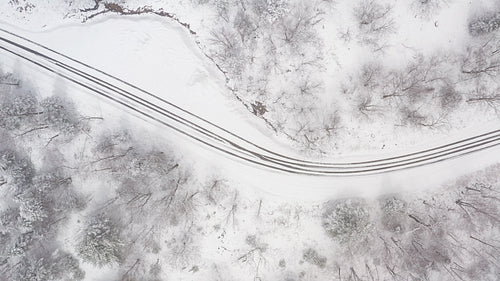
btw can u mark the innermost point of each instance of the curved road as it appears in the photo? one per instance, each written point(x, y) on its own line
point(146, 104)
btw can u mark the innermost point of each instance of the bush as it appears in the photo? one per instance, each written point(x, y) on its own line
point(485, 24)
point(344, 220)
point(311, 256)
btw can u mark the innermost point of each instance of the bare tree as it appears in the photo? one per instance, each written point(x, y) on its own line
point(296, 27)
point(255, 253)
point(420, 78)
point(366, 106)
point(417, 117)
point(481, 69)
point(244, 26)
point(183, 248)
point(482, 58)
point(331, 124)
point(427, 8)
point(138, 268)
point(365, 88)
point(374, 20)
point(228, 50)
point(485, 95)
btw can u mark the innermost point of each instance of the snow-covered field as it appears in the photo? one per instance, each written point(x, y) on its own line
point(144, 203)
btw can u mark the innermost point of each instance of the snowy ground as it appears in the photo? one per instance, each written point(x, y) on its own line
point(153, 50)
point(144, 42)
point(259, 225)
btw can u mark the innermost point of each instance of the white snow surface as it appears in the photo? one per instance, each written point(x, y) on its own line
point(145, 50)
point(158, 56)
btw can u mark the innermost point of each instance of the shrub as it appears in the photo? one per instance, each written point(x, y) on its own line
point(311, 256)
point(343, 220)
point(485, 24)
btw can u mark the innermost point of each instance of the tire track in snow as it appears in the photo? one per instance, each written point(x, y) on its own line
point(146, 104)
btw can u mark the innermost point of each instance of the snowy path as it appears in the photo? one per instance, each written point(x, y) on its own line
point(146, 104)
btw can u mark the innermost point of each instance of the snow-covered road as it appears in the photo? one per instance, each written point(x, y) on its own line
point(146, 104)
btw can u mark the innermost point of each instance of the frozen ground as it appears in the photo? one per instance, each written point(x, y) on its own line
point(230, 221)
